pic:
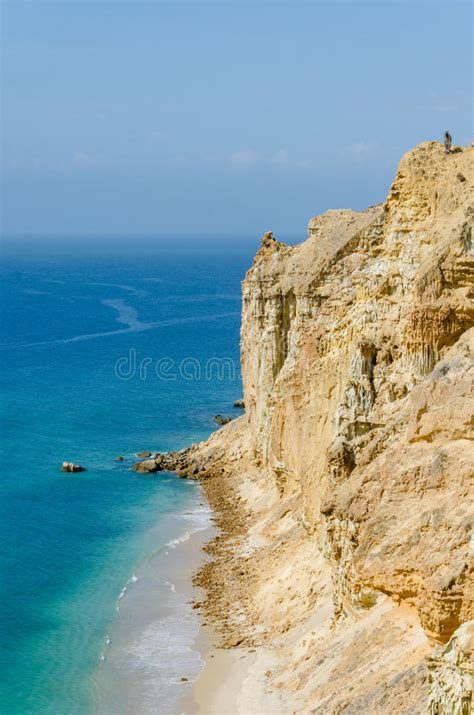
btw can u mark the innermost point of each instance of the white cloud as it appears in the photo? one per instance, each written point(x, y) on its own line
point(250, 157)
point(447, 106)
point(280, 157)
point(182, 162)
point(360, 150)
point(246, 157)
point(452, 104)
point(84, 160)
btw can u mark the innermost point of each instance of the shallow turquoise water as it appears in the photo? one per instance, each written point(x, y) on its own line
point(94, 339)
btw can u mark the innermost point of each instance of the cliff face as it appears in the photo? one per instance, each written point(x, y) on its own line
point(356, 452)
point(358, 374)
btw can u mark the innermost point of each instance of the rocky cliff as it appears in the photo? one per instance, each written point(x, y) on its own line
point(358, 376)
point(345, 491)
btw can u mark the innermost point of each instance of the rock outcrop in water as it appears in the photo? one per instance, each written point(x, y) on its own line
point(71, 467)
point(345, 492)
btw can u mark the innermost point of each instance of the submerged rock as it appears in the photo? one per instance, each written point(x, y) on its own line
point(143, 455)
point(70, 467)
point(119, 459)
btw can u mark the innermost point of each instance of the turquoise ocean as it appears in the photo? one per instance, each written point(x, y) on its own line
point(108, 348)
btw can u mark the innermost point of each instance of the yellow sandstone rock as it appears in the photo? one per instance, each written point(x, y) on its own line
point(354, 459)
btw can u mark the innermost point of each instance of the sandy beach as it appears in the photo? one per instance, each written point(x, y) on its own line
point(150, 660)
point(234, 682)
point(238, 666)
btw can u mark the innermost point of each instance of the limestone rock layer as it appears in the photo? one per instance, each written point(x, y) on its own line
point(357, 359)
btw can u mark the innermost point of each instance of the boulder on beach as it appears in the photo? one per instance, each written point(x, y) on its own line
point(147, 466)
point(71, 467)
point(221, 420)
point(240, 404)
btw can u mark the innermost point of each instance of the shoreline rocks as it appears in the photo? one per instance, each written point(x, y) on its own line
point(188, 463)
point(146, 466)
point(221, 419)
point(240, 404)
point(166, 462)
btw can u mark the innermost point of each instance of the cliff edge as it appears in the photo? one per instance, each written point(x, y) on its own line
point(345, 492)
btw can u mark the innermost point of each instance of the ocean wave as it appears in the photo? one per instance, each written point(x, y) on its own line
point(154, 647)
point(158, 658)
point(132, 579)
point(200, 517)
point(33, 291)
point(179, 540)
point(105, 648)
point(153, 658)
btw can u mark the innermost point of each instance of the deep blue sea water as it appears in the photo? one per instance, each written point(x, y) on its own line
point(94, 336)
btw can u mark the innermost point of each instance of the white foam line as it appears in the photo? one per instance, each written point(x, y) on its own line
point(127, 315)
point(128, 288)
point(106, 646)
point(132, 579)
point(179, 540)
point(123, 331)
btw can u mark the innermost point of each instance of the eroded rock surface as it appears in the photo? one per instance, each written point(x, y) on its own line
point(346, 489)
point(357, 356)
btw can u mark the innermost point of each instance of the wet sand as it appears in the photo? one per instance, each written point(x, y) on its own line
point(152, 657)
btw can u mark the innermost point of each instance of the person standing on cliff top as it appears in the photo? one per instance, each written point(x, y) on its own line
point(448, 140)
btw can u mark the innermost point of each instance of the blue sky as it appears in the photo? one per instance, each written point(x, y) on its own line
point(137, 118)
